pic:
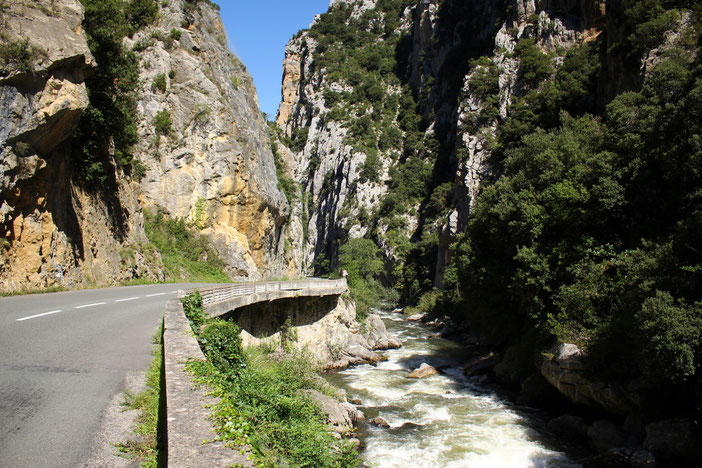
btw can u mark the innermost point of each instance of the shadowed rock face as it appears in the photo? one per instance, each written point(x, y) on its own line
point(326, 327)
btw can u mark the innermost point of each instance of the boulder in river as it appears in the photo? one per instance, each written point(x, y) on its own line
point(379, 422)
point(605, 435)
point(425, 370)
point(565, 370)
point(675, 439)
point(342, 417)
point(569, 427)
point(416, 317)
point(377, 335)
point(481, 364)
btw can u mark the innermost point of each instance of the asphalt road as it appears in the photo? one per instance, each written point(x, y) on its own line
point(63, 357)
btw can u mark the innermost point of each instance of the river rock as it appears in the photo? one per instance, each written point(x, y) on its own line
point(416, 317)
point(377, 335)
point(569, 427)
point(379, 422)
point(537, 391)
point(355, 401)
point(675, 439)
point(341, 416)
point(627, 457)
point(425, 370)
point(605, 435)
point(481, 364)
point(565, 370)
point(398, 311)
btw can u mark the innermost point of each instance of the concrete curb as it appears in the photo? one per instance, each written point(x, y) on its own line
point(190, 435)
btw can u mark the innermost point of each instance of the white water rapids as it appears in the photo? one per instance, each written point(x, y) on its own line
point(442, 421)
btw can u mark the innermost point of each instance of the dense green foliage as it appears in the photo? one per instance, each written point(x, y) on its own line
point(362, 261)
point(186, 255)
point(592, 233)
point(263, 403)
point(108, 124)
point(221, 344)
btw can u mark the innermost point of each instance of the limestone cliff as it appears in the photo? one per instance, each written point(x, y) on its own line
point(214, 167)
point(53, 233)
point(398, 122)
point(211, 164)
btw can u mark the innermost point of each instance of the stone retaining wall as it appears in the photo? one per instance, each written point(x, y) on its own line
point(188, 423)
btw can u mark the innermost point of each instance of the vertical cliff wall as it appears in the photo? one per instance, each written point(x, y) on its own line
point(213, 166)
point(392, 129)
point(202, 152)
point(54, 233)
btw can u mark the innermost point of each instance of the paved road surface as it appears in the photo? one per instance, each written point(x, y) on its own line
point(63, 356)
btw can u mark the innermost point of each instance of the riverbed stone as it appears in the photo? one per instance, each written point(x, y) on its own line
point(605, 435)
point(379, 422)
point(569, 427)
point(481, 364)
point(425, 370)
point(675, 439)
point(341, 416)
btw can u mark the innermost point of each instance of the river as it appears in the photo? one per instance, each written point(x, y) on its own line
point(445, 420)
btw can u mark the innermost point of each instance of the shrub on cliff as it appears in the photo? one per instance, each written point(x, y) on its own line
point(109, 121)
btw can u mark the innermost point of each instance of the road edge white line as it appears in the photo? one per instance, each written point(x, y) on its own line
point(90, 305)
point(38, 315)
point(157, 294)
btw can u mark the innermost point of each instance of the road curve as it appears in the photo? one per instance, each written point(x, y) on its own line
point(63, 357)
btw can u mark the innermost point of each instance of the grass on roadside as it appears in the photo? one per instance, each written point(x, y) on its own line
point(147, 445)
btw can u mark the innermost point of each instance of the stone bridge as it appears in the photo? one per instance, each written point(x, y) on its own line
point(222, 300)
point(188, 407)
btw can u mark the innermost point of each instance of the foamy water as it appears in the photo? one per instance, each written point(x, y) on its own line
point(444, 420)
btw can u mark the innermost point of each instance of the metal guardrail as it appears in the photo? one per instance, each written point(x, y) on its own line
point(221, 294)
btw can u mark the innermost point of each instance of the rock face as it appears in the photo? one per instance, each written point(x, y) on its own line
point(438, 40)
point(52, 233)
point(566, 371)
point(326, 328)
point(215, 168)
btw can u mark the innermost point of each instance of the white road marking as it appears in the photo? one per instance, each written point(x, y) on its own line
point(174, 292)
point(90, 305)
point(127, 299)
point(39, 315)
point(158, 294)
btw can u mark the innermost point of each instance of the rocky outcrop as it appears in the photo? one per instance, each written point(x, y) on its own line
point(52, 232)
point(215, 167)
point(565, 371)
point(327, 329)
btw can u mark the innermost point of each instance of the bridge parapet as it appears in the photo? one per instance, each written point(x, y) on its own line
point(222, 300)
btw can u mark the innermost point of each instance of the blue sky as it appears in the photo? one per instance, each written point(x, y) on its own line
point(258, 31)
